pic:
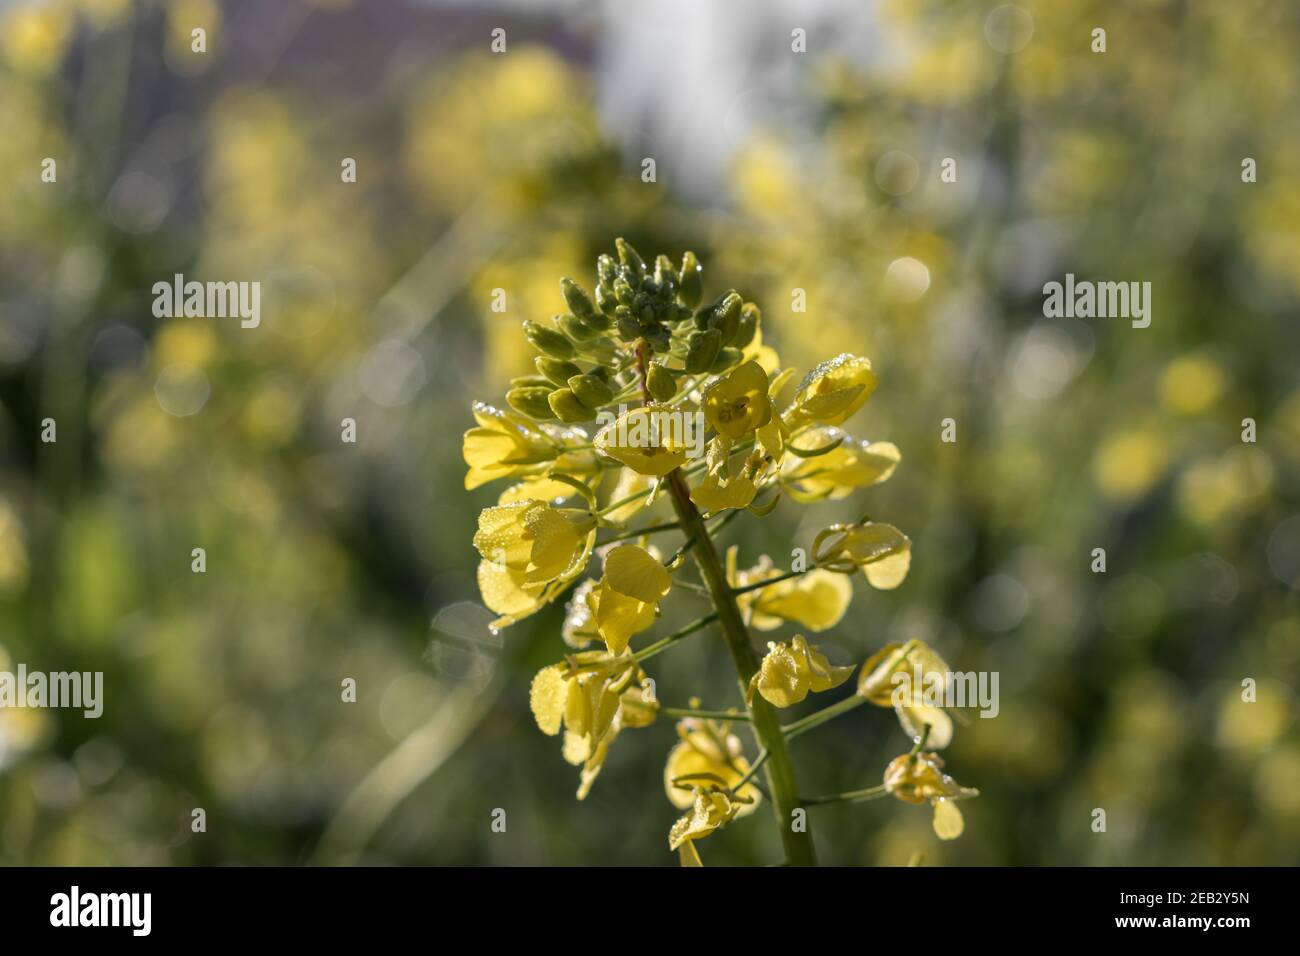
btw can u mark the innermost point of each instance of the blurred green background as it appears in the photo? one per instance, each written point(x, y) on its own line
point(817, 171)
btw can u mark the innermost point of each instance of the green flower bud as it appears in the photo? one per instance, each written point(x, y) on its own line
point(591, 391)
point(726, 359)
point(701, 349)
point(576, 297)
point(568, 407)
point(531, 401)
point(629, 329)
point(750, 317)
point(660, 382)
point(726, 317)
point(606, 268)
point(659, 337)
point(605, 299)
point(690, 285)
point(531, 381)
point(548, 340)
point(665, 273)
point(557, 371)
point(624, 292)
point(629, 256)
point(704, 314)
point(575, 328)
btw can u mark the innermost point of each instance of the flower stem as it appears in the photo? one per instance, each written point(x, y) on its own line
point(706, 714)
point(852, 796)
point(817, 718)
point(798, 844)
point(638, 532)
point(758, 585)
point(650, 650)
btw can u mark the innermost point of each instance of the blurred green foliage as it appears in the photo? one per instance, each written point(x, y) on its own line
point(476, 172)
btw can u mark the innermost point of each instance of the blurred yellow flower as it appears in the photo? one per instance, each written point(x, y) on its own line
point(1225, 486)
point(790, 671)
point(34, 36)
point(1129, 462)
point(1192, 385)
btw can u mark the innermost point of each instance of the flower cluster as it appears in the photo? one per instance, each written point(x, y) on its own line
point(640, 356)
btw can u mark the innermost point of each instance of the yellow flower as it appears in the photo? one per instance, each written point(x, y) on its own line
point(832, 391)
point(629, 594)
point(531, 551)
point(592, 700)
point(507, 445)
point(645, 440)
point(912, 679)
point(537, 489)
point(919, 778)
point(710, 810)
point(708, 755)
point(790, 671)
point(738, 403)
point(835, 474)
point(715, 493)
point(882, 552)
point(816, 600)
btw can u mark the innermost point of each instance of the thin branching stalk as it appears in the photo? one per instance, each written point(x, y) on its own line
point(798, 843)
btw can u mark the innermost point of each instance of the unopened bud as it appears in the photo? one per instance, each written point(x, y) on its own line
point(531, 401)
point(547, 340)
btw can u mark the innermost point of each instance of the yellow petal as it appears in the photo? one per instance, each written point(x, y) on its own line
point(816, 600)
point(688, 855)
point(915, 719)
point(889, 572)
point(547, 697)
point(947, 822)
point(619, 617)
point(633, 571)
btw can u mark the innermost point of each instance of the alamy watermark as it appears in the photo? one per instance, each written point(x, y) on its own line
point(210, 300)
point(1101, 300)
point(671, 428)
point(946, 689)
point(76, 690)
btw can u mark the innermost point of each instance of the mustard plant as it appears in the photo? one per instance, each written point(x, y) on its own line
point(683, 394)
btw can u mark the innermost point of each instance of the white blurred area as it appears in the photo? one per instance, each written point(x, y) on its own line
point(688, 81)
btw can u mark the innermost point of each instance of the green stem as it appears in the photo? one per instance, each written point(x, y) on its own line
point(705, 714)
point(638, 532)
point(798, 844)
point(852, 796)
point(757, 585)
point(757, 765)
point(817, 718)
point(650, 650)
